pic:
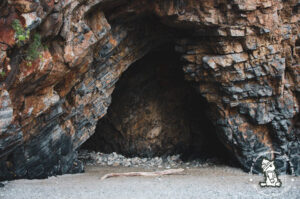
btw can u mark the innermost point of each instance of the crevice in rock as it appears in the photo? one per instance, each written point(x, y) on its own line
point(297, 46)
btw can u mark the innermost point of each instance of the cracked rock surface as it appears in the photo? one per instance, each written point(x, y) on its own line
point(243, 57)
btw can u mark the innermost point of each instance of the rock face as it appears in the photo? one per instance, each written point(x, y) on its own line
point(243, 55)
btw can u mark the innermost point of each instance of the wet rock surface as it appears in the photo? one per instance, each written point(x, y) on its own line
point(243, 57)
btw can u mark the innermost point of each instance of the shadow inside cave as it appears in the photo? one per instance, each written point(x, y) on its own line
point(156, 112)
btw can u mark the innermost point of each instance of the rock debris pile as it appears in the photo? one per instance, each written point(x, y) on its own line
point(114, 159)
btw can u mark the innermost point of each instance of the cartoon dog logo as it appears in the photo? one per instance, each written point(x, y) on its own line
point(271, 179)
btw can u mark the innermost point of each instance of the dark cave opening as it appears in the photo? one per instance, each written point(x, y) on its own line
point(156, 112)
point(297, 46)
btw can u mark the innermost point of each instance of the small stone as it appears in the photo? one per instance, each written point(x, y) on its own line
point(175, 157)
point(109, 163)
point(116, 164)
point(114, 155)
point(127, 164)
point(135, 160)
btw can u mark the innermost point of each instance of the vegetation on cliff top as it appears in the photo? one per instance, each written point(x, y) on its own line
point(20, 33)
point(34, 49)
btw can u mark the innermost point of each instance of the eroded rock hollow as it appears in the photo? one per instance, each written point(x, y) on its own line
point(60, 62)
point(155, 112)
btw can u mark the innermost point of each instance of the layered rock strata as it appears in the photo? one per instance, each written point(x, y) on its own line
point(244, 56)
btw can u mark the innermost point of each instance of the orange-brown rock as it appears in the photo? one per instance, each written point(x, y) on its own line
point(242, 55)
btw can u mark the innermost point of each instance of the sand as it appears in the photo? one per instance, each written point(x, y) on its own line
point(210, 182)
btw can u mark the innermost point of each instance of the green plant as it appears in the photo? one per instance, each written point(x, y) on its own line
point(35, 48)
point(20, 33)
point(2, 73)
point(29, 63)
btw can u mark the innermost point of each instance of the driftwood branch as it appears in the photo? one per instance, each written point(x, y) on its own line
point(148, 174)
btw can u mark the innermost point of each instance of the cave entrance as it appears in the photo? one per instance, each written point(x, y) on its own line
point(155, 112)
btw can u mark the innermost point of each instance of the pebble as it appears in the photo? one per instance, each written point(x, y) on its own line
point(114, 160)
